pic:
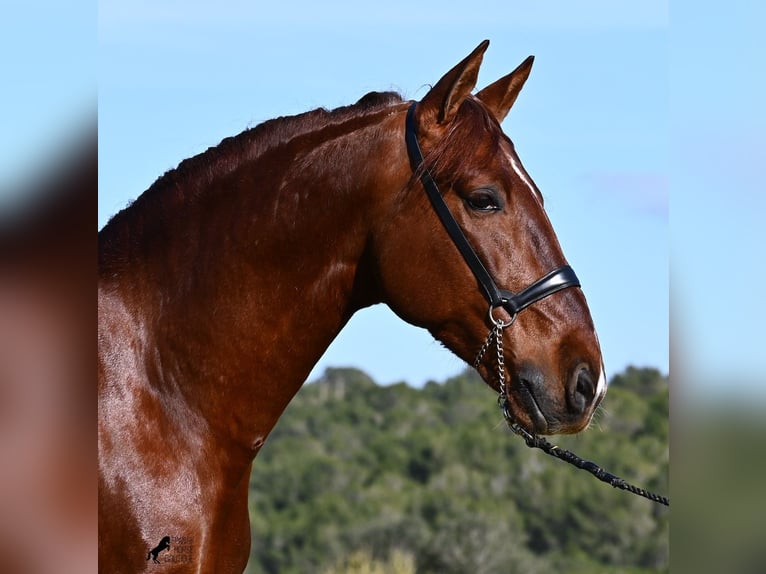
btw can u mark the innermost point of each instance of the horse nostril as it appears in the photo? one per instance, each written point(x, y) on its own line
point(584, 390)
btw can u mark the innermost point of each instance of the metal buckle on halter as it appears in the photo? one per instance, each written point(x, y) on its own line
point(499, 323)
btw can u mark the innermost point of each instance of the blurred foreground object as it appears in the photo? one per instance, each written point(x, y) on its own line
point(718, 472)
point(48, 488)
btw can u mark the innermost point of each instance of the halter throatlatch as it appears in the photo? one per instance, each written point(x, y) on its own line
point(558, 279)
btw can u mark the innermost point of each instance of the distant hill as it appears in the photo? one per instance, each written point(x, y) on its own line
point(361, 478)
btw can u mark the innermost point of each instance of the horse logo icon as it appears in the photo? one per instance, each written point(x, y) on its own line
point(155, 552)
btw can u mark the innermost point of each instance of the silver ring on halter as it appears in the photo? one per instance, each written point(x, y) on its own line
point(499, 323)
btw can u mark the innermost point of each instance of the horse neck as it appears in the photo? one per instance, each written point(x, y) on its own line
point(246, 286)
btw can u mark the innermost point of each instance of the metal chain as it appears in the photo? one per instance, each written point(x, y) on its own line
point(500, 360)
point(496, 333)
point(484, 347)
point(534, 441)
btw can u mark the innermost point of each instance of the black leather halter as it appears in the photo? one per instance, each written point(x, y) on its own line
point(558, 279)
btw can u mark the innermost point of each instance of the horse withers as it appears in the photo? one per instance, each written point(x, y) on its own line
point(222, 285)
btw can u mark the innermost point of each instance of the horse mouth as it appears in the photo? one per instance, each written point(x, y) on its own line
point(526, 399)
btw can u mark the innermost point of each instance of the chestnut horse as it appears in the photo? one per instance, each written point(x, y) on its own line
point(222, 285)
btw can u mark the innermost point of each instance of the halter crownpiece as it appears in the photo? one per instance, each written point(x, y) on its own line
point(558, 279)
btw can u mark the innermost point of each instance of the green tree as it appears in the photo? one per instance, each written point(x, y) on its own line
point(357, 477)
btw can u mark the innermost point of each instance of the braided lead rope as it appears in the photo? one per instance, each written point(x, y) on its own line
point(534, 441)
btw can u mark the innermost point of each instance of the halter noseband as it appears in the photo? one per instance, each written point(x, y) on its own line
point(558, 279)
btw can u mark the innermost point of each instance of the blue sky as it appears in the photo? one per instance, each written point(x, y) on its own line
point(590, 126)
point(48, 78)
point(718, 151)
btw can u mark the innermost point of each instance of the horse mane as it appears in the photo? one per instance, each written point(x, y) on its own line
point(194, 175)
point(153, 210)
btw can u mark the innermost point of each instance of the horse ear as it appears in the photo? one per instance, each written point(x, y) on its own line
point(443, 100)
point(500, 96)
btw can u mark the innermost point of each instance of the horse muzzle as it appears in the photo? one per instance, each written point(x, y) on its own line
point(543, 407)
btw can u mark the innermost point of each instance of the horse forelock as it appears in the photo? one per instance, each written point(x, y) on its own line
point(473, 128)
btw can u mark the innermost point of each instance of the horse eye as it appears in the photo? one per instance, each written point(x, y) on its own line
point(485, 200)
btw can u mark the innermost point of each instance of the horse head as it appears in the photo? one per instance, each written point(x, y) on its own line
point(551, 352)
